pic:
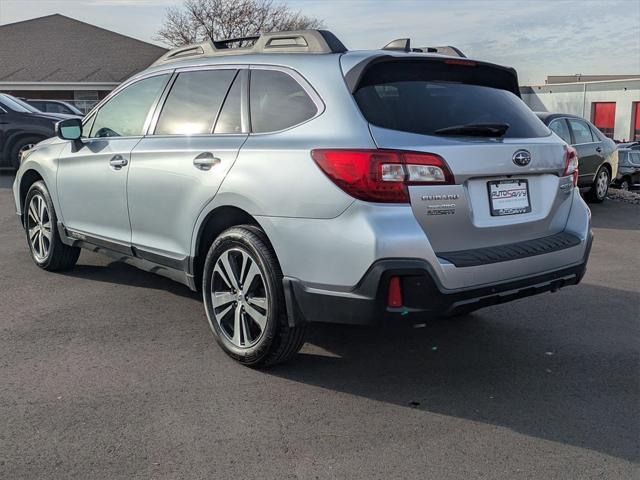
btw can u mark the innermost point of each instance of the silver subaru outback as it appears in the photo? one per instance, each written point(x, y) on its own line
point(294, 181)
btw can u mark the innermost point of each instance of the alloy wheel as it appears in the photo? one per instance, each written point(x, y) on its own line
point(39, 227)
point(239, 298)
point(602, 184)
point(23, 149)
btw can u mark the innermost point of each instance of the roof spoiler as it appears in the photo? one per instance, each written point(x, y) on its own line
point(298, 41)
point(404, 45)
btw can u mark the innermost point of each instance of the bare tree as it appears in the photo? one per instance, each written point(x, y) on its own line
point(198, 20)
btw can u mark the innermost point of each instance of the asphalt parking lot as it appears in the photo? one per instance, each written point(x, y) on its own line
point(108, 372)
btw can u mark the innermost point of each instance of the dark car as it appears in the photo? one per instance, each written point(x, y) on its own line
point(598, 155)
point(55, 106)
point(628, 168)
point(21, 128)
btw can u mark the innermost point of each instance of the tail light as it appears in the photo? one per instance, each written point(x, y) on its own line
point(571, 163)
point(382, 175)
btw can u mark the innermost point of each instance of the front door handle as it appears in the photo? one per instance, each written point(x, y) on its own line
point(117, 162)
point(205, 161)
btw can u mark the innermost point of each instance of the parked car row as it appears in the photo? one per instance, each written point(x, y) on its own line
point(22, 126)
point(597, 154)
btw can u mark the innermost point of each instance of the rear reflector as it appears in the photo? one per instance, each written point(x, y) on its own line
point(382, 175)
point(395, 293)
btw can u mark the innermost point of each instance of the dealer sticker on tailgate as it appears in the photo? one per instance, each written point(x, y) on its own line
point(509, 197)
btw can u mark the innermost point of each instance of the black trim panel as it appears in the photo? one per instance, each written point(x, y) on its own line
point(510, 251)
point(422, 294)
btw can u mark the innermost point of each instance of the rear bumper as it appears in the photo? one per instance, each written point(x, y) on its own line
point(422, 294)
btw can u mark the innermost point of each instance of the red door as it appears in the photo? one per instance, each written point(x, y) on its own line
point(604, 117)
point(636, 123)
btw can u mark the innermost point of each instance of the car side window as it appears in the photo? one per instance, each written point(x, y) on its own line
point(635, 158)
point(193, 102)
point(560, 128)
point(124, 115)
point(230, 118)
point(277, 101)
point(581, 131)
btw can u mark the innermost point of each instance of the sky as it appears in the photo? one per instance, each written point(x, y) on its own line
point(537, 37)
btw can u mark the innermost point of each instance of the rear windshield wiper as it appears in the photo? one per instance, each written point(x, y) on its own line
point(475, 130)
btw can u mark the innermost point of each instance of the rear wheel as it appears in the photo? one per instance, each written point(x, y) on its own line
point(244, 299)
point(600, 186)
point(40, 221)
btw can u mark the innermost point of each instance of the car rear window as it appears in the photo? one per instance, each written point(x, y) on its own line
point(425, 96)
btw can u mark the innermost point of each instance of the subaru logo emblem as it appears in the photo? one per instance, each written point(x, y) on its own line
point(522, 158)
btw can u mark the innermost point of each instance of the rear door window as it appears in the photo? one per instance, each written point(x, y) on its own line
point(424, 96)
point(277, 101)
point(193, 102)
point(560, 128)
point(230, 118)
point(581, 131)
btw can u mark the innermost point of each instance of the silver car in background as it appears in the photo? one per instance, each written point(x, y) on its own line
point(294, 181)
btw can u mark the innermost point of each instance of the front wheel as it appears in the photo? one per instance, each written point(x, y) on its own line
point(600, 186)
point(40, 222)
point(244, 299)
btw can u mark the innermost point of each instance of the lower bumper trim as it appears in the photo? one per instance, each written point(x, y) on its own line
point(366, 304)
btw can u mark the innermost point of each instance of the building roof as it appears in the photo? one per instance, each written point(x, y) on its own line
point(57, 48)
point(554, 79)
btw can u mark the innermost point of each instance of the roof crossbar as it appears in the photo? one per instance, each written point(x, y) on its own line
point(298, 41)
point(404, 45)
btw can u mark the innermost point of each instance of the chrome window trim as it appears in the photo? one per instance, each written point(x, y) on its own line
point(306, 86)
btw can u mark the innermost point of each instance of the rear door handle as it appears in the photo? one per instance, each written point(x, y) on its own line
point(599, 149)
point(205, 161)
point(117, 162)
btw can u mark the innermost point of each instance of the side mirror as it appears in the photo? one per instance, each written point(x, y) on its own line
point(69, 129)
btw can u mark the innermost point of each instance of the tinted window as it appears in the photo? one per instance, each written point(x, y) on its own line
point(277, 101)
point(561, 129)
point(38, 105)
point(422, 97)
point(635, 158)
point(193, 103)
point(124, 115)
point(230, 118)
point(10, 102)
point(581, 131)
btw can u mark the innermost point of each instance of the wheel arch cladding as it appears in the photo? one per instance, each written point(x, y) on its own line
point(217, 221)
point(28, 178)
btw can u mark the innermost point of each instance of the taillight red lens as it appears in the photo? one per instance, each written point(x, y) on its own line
point(571, 163)
point(381, 175)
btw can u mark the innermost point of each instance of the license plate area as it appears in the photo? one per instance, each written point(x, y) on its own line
point(509, 197)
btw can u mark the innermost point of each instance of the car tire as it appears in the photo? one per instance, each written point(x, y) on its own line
point(21, 144)
point(625, 184)
point(600, 187)
point(248, 316)
point(40, 225)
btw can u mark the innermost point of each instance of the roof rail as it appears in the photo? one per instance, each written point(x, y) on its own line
point(404, 45)
point(298, 41)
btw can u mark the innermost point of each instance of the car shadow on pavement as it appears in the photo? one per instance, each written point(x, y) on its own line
point(566, 375)
point(123, 274)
